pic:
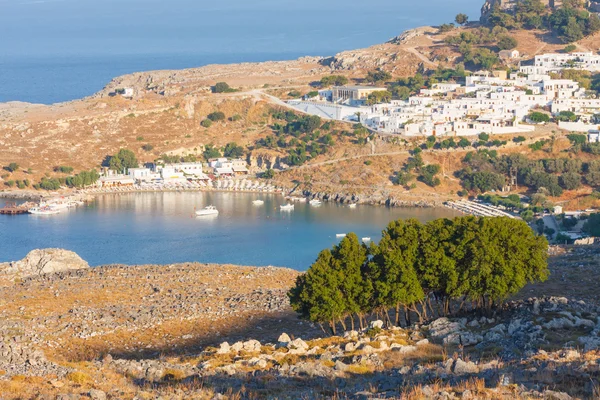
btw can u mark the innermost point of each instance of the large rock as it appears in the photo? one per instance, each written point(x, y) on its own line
point(44, 261)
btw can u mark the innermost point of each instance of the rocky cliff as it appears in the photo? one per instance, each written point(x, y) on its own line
point(508, 5)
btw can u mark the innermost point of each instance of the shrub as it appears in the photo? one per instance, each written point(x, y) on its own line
point(235, 117)
point(147, 147)
point(10, 183)
point(221, 87)
point(539, 117)
point(216, 116)
point(207, 123)
point(63, 169)
point(12, 167)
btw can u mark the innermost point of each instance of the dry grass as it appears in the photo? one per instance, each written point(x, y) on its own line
point(426, 354)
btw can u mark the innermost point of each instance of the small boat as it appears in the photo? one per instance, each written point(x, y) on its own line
point(286, 207)
point(208, 210)
point(258, 202)
point(340, 235)
point(45, 210)
point(315, 202)
point(352, 205)
point(366, 239)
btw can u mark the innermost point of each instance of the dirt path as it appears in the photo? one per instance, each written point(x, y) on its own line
point(420, 56)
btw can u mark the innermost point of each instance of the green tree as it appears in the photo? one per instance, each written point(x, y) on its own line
point(316, 295)
point(538, 117)
point(392, 268)
point(592, 226)
point(207, 123)
point(122, 161)
point(570, 181)
point(380, 96)
point(461, 19)
point(333, 80)
point(268, 174)
point(378, 76)
point(506, 42)
point(233, 150)
point(210, 151)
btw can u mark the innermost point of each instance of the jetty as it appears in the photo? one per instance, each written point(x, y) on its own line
point(11, 208)
point(477, 209)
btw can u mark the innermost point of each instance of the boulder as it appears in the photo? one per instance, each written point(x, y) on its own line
point(224, 348)
point(461, 367)
point(44, 261)
point(252, 345)
point(97, 394)
point(377, 324)
point(442, 327)
point(284, 338)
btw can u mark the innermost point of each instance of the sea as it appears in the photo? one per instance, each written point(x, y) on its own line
point(161, 228)
point(59, 50)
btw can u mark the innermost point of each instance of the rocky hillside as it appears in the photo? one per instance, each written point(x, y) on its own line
point(214, 331)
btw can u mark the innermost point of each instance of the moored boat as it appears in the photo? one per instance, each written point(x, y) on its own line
point(44, 210)
point(340, 235)
point(366, 239)
point(352, 205)
point(208, 210)
point(315, 202)
point(258, 202)
point(286, 207)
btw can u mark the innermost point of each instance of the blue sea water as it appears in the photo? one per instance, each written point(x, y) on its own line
point(160, 228)
point(58, 50)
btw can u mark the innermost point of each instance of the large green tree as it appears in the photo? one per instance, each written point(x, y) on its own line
point(122, 161)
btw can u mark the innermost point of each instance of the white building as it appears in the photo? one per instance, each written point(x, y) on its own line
point(594, 136)
point(555, 61)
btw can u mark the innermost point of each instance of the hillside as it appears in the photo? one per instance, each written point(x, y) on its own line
point(227, 332)
point(167, 108)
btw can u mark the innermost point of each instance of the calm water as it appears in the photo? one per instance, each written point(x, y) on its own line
point(159, 228)
point(58, 50)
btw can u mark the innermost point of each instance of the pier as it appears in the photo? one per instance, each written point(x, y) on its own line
point(11, 208)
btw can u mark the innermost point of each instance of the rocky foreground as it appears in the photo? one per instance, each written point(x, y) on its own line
point(211, 331)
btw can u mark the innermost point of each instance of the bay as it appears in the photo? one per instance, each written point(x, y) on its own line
point(160, 228)
point(58, 50)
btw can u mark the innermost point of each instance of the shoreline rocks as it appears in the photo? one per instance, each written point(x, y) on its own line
point(44, 261)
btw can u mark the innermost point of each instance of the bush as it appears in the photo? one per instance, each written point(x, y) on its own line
point(539, 117)
point(519, 139)
point(12, 167)
point(222, 87)
point(333, 80)
point(147, 147)
point(506, 42)
point(235, 117)
point(268, 174)
point(207, 123)
point(10, 183)
point(216, 116)
point(63, 169)
point(570, 48)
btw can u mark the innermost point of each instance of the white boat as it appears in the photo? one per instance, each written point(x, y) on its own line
point(45, 210)
point(208, 210)
point(352, 205)
point(286, 207)
point(315, 202)
point(366, 239)
point(258, 202)
point(340, 235)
